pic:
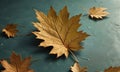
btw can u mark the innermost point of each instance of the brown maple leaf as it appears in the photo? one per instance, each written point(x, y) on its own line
point(59, 31)
point(76, 68)
point(98, 12)
point(113, 69)
point(10, 30)
point(16, 64)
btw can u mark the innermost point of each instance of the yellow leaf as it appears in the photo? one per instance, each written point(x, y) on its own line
point(98, 13)
point(16, 64)
point(113, 69)
point(76, 68)
point(10, 30)
point(59, 31)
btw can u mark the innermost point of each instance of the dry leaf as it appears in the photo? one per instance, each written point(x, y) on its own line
point(59, 31)
point(98, 13)
point(113, 69)
point(16, 64)
point(76, 68)
point(10, 30)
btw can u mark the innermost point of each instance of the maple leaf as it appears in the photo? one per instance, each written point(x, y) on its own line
point(113, 69)
point(16, 64)
point(59, 31)
point(76, 68)
point(10, 30)
point(98, 12)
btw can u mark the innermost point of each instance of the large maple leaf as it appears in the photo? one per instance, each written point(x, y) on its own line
point(16, 64)
point(59, 31)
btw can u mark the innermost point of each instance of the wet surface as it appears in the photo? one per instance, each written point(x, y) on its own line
point(102, 48)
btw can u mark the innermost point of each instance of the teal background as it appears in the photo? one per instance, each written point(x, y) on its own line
point(102, 48)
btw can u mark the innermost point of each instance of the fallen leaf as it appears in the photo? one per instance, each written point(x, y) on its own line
point(59, 31)
point(16, 64)
point(98, 12)
point(76, 68)
point(113, 69)
point(10, 30)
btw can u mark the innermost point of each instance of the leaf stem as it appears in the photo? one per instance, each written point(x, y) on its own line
point(74, 56)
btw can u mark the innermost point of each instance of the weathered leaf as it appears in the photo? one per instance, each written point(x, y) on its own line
point(10, 30)
point(16, 64)
point(98, 13)
point(59, 31)
point(76, 68)
point(113, 69)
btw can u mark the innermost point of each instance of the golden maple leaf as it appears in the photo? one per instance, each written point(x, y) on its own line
point(10, 30)
point(76, 68)
point(59, 31)
point(16, 64)
point(113, 69)
point(98, 13)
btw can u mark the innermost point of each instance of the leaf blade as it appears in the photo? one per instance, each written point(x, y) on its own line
point(58, 31)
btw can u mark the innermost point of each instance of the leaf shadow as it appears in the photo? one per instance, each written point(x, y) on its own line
point(3, 35)
point(48, 57)
point(69, 71)
point(96, 20)
point(40, 50)
point(53, 58)
point(1, 68)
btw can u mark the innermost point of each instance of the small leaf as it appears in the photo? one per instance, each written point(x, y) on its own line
point(76, 68)
point(10, 30)
point(16, 64)
point(98, 13)
point(59, 31)
point(113, 69)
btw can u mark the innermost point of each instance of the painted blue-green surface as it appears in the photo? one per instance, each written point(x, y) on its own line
point(102, 48)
